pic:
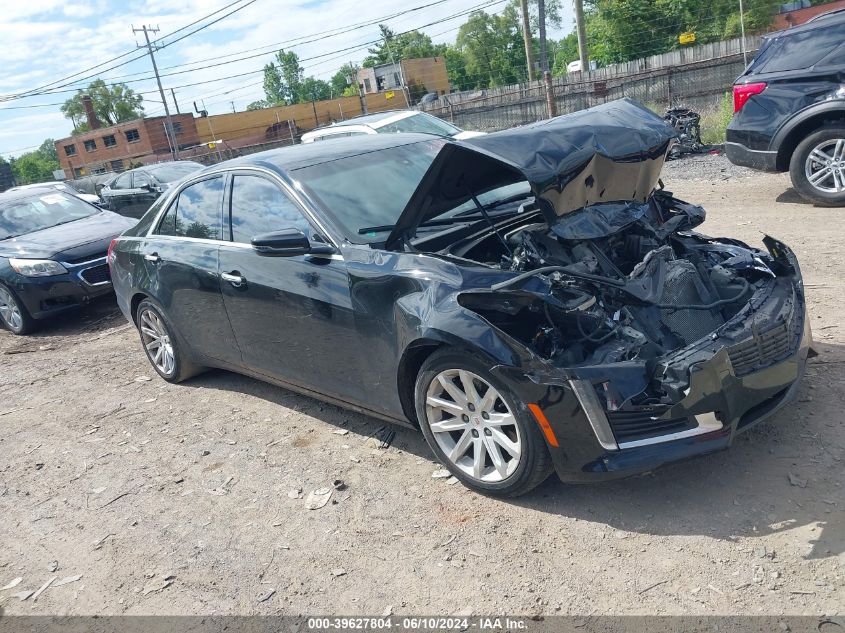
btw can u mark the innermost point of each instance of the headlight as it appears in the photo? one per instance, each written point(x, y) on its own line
point(37, 267)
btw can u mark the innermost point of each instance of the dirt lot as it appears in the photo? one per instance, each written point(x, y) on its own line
point(181, 499)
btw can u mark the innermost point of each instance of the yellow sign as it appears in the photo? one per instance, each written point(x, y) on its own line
point(389, 94)
point(212, 145)
point(686, 38)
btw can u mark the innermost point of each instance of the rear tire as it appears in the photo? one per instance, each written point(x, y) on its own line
point(817, 167)
point(13, 313)
point(162, 346)
point(494, 445)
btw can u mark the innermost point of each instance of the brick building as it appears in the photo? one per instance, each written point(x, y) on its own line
point(801, 14)
point(116, 147)
point(427, 74)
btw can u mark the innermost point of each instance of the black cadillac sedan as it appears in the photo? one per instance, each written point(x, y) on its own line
point(52, 255)
point(531, 300)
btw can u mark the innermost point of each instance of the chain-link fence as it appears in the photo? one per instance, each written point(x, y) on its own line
point(696, 77)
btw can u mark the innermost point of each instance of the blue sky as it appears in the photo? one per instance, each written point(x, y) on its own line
point(46, 40)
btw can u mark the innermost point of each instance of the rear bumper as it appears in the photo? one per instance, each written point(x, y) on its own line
point(762, 160)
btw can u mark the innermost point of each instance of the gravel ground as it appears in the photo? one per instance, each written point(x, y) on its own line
point(713, 167)
point(141, 497)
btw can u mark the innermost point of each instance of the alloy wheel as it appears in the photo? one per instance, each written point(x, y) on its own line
point(473, 425)
point(825, 166)
point(157, 342)
point(9, 310)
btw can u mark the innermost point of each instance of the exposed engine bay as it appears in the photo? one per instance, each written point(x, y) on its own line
point(613, 282)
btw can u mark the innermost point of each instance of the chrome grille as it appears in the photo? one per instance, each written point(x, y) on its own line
point(761, 350)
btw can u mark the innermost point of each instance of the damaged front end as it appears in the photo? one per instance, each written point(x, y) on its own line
point(661, 333)
point(650, 340)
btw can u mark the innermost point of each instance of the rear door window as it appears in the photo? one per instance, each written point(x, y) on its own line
point(798, 51)
point(196, 212)
point(260, 206)
point(123, 182)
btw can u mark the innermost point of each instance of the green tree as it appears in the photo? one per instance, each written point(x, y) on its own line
point(258, 105)
point(456, 69)
point(492, 48)
point(563, 52)
point(113, 104)
point(621, 30)
point(393, 47)
point(283, 79)
point(313, 89)
point(340, 87)
point(33, 167)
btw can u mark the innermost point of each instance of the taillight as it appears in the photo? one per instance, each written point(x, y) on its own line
point(109, 252)
point(743, 92)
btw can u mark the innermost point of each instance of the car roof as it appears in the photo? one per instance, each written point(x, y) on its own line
point(293, 157)
point(37, 185)
point(368, 119)
point(823, 20)
point(152, 167)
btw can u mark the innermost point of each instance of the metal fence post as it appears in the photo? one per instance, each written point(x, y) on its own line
point(550, 95)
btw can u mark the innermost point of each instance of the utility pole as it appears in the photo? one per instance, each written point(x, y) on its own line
point(353, 67)
point(526, 35)
point(169, 127)
point(175, 103)
point(544, 60)
point(401, 74)
point(582, 35)
point(742, 27)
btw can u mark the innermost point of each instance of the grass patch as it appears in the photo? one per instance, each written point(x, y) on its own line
point(714, 123)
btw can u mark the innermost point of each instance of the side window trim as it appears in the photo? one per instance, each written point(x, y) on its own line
point(284, 189)
point(174, 203)
point(273, 177)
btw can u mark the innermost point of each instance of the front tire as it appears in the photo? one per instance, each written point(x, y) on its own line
point(817, 167)
point(478, 429)
point(13, 313)
point(162, 346)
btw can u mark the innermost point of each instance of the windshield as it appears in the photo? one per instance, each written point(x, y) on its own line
point(27, 215)
point(173, 171)
point(371, 190)
point(420, 123)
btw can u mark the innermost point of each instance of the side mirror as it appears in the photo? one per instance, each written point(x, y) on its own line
point(288, 243)
point(151, 188)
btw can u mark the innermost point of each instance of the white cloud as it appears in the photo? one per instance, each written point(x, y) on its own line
point(46, 40)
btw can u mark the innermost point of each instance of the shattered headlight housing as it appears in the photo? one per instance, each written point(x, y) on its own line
point(37, 267)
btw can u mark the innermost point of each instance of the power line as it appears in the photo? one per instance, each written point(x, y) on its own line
point(121, 56)
point(160, 46)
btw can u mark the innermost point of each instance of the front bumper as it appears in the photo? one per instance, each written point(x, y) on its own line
point(46, 296)
point(719, 395)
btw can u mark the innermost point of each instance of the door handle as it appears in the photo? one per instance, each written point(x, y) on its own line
point(236, 280)
point(152, 258)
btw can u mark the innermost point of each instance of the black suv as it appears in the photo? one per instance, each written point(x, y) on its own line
point(789, 109)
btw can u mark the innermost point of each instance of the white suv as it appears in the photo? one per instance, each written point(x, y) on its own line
point(389, 122)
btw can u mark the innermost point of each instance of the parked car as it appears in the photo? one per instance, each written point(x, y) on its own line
point(428, 97)
point(391, 122)
point(789, 109)
point(52, 254)
point(527, 299)
point(132, 192)
point(59, 186)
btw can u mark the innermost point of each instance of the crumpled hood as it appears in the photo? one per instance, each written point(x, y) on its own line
point(613, 152)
